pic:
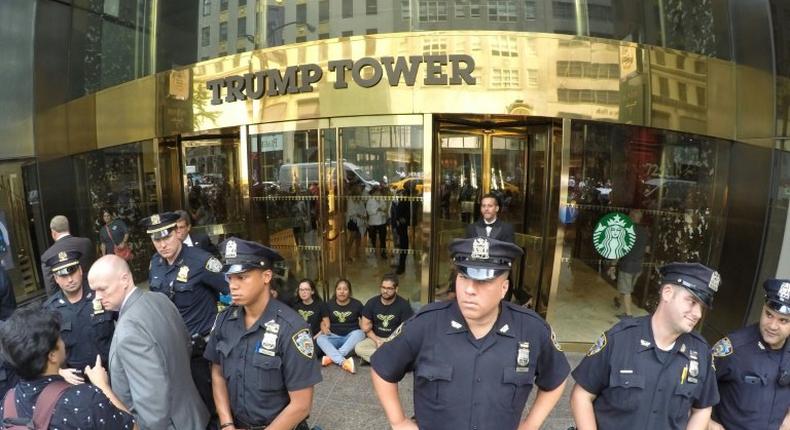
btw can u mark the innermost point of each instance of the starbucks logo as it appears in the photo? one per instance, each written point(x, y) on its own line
point(614, 235)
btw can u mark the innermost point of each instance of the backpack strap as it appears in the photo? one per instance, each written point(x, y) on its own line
point(45, 404)
point(9, 404)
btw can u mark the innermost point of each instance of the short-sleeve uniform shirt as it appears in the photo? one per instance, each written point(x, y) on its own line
point(193, 282)
point(263, 363)
point(312, 314)
point(84, 333)
point(386, 318)
point(748, 372)
point(640, 386)
point(465, 383)
point(81, 406)
point(344, 319)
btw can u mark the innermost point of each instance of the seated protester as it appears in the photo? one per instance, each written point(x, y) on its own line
point(343, 333)
point(309, 305)
point(381, 315)
point(30, 340)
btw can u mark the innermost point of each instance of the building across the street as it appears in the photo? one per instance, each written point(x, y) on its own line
point(307, 124)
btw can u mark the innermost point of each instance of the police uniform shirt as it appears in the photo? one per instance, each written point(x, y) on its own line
point(312, 314)
point(263, 363)
point(386, 318)
point(81, 406)
point(748, 372)
point(84, 334)
point(193, 282)
point(638, 385)
point(465, 383)
point(344, 319)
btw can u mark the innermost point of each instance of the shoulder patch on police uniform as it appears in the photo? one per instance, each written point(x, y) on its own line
point(554, 341)
point(304, 343)
point(723, 348)
point(213, 265)
point(598, 346)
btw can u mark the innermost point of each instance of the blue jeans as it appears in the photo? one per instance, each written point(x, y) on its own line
point(338, 347)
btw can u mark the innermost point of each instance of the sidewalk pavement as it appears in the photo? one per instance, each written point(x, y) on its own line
point(347, 402)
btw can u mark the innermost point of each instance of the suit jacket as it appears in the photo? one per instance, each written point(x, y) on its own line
point(202, 241)
point(500, 230)
point(67, 243)
point(150, 365)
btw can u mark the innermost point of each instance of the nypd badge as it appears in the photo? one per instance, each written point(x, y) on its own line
point(155, 219)
point(722, 348)
point(598, 346)
point(784, 292)
point(522, 358)
point(213, 265)
point(554, 341)
point(715, 280)
point(304, 343)
point(183, 274)
point(230, 249)
point(480, 249)
point(62, 256)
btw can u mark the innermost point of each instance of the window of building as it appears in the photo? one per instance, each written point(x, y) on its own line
point(532, 78)
point(701, 102)
point(348, 8)
point(682, 92)
point(461, 7)
point(405, 9)
point(301, 13)
point(205, 36)
point(504, 78)
point(598, 12)
point(323, 36)
point(372, 31)
point(502, 10)
point(437, 46)
point(475, 7)
point(241, 27)
point(564, 10)
point(323, 11)
point(530, 9)
point(660, 58)
point(371, 7)
point(663, 87)
point(223, 5)
point(347, 34)
point(504, 47)
point(432, 10)
point(242, 3)
point(300, 39)
point(680, 62)
point(206, 7)
point(700, 67)
point(223, 31)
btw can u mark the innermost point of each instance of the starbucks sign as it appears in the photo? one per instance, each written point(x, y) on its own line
point(614, 235)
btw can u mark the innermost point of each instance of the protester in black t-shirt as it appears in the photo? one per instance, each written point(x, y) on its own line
point(344, 333)
point(309, 305)
point(381, 315)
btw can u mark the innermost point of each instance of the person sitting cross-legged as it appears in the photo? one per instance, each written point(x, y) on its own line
point(342, 334)
point(381, 315)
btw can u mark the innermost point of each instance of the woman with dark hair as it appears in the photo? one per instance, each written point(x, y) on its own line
point(309, 305)
point(30, 340)
point(113, 234)
point(342, 334)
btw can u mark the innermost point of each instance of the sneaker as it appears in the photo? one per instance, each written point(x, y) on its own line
point(348, 365)
point(325, 361)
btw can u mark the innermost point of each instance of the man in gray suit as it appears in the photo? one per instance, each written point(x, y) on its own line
point(64, 241)
point(149, 354)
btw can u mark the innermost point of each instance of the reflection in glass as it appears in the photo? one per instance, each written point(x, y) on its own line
point(671, 187)
point(212, 192)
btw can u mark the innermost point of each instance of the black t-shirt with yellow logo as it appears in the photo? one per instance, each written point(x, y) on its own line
point(312, 313)
point(386, 318)
point(344, 319)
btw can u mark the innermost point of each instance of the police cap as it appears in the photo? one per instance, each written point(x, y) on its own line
point(777, 295)
point(700, 280)
point(483, 258)
point(241, 255)
point(64, 263)
point(159, 225)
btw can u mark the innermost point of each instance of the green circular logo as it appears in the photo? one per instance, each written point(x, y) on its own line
point(614, 235)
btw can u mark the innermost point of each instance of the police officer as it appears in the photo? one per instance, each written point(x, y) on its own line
point(475, 358)
point(193, 280)
point(753, 368)
point(653, 372)
point(262, 351)
point(86, 330)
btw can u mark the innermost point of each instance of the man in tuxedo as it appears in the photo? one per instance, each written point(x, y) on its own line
point(489, 225)
point(184, 232)
point(64, 241)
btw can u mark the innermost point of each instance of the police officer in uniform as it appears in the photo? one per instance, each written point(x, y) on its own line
point(193, 280)
point(262, 351)
point(653, 372)
point(476, 358)
point(86, 329)
point(753, 368)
